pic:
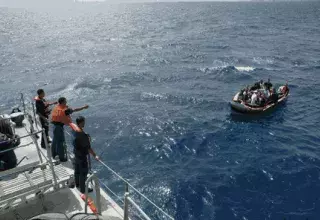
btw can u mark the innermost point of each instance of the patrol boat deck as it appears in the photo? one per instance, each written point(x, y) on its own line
point(38, 186)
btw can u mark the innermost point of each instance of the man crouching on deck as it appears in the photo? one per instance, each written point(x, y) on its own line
point(82, 148)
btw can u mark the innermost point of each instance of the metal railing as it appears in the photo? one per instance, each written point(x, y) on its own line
point(23, 102)
point(48, 147)
point(35, 142)
point(97, 190)
point(93, 177)
point(45, 138)
point(138, 192)
point(128, 200)
point(15, 139)
point(125, 208)
point(32, 134)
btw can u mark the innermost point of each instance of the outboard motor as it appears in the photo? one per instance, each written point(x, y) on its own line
point(17, 117)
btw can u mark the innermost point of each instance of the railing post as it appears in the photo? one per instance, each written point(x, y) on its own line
point(145, 216)
point(48, 147)
point(23, 104)
point(33, 137)
point(34, 115)
point(35, 141)
point(126, 203)
point(86, 194)
point(97, 189)
point(98, 194)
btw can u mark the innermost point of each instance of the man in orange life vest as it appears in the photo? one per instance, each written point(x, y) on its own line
point(82, 148)
point(61, 116)
point(42, 109)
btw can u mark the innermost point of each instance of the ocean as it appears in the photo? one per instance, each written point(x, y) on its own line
point(159, 77)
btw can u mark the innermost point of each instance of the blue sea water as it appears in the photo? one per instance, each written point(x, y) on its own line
point(159, 77)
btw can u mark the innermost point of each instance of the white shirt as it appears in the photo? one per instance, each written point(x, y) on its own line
point(280, 89)
point(254, 99)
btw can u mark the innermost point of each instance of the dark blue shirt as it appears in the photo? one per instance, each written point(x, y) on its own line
point(81, 144)
point(42, 108)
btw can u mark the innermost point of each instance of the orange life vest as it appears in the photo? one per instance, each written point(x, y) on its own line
point(59, 115)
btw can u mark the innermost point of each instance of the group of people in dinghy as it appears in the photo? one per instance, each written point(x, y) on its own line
point(261, 94)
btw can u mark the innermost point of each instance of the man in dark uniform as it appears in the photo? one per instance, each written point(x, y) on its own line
point(8, 159)
point(82, 148)
point(42, 109)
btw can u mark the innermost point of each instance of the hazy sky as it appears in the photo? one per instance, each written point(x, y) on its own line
point(31, 3)
point(11, 2)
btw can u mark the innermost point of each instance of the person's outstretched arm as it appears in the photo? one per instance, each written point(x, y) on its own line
point(52, 103)
point(80, 109)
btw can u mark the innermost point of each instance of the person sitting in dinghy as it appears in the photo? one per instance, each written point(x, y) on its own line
point(254, 98)
point(246, 94)
point(261, 99)
point(268, 85)
point(257, 85)
point(273, 98)
point(241, 96)
point(283, 89)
